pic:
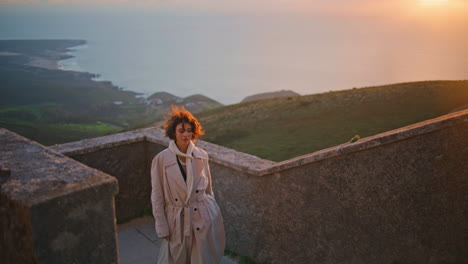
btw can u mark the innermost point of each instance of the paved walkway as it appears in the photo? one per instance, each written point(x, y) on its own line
point(138, 243)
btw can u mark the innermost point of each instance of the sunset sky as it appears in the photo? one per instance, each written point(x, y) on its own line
point(325, 7)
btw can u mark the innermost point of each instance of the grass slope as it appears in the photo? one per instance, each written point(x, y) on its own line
point(52, 106)
point(283, 128)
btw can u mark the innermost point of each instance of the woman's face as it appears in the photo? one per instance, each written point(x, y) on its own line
point(183, 133)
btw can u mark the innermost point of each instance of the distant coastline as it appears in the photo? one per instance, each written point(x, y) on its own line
point(45, 63)
point(55, 63)
point(43, 102)
point(35, 56)
point(47, 54)
point(72, 63)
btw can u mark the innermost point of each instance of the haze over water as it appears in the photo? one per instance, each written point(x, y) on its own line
point(230, 56)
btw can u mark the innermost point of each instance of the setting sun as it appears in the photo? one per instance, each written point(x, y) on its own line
point(433, 2)
point(435, 11)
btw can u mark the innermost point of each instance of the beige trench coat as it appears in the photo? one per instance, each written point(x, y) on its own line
point(195, 229)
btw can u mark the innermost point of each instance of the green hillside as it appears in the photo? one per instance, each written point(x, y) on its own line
point(283, 128)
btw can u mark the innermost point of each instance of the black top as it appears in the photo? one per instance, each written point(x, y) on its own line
point(182, 168)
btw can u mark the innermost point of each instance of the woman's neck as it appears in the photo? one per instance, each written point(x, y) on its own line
point(182, 148)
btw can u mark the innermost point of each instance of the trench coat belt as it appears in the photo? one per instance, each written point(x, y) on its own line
point(178, 220)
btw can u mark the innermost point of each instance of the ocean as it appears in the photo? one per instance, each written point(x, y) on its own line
point(229, 57)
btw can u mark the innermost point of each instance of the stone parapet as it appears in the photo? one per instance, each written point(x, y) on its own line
point(52, 208)
point(95, 144)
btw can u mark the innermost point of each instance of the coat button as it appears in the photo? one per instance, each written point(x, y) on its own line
point(196, 191)
point(195, 209)
point(198, 228)
point(176, 199)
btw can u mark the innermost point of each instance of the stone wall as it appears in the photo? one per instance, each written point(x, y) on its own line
point(396, 197)
point(52, 208)
point(404, 202)
point(125, 156)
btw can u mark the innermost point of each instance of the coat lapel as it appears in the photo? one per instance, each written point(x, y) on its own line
point(174, 173)
point(199, 156)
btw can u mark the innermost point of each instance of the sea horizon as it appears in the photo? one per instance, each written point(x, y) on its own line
point(228, 58)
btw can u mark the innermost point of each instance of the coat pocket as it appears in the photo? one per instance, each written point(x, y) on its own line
point(202, 184)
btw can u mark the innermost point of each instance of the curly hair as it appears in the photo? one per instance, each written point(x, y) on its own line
point(180, 115)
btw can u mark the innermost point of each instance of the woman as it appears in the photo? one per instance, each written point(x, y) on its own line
point(185, 211)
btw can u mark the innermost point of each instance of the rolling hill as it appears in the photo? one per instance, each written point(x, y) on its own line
point(282, 128)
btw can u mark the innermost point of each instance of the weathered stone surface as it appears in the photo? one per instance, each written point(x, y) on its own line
point(401, 202)
point(124, 156)
point(130, 163)
point(53, 208)
point(95, 144)
point(81, 231)
point(38, 173)
point(16, 240)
